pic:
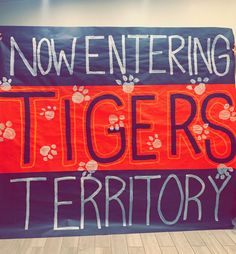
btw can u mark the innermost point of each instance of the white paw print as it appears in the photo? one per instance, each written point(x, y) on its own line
point(80, 94)
point(127, 83)
point(90, 167)
point(223, 171)
point(234, 221)
point(6, 131)
point(48, 112)
point(228, 113)
point(234, 50)
point(5, 84)
point(201, 131)
point(200, 85)
point(48, 152)
point(116, 122)
point(154, 142)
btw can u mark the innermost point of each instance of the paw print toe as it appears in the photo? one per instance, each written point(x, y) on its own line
point(204, 136)
point(226, 106)
point(87, 98)
point(232, 118)
point(125, 78)
point(2, 126)
point(81, 166)
point(50, 157)
point(222, 177)
point(81, 88)
point(117, 127)
point(85, 91)
point(122, 117)
point(53, 146)
point(205, 80)
point(54, 152)
point(9, 124)
point(189, 87)
point(121, 124)
point(193, 81)
point(118, 82)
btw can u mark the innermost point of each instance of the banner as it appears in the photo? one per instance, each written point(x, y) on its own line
point(115, 130)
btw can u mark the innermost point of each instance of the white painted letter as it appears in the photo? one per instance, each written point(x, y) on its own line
point(218, 192)
point(14, 45)
point(181, 200)
point(114, 197)
point(62, 56)
point(88, 55)
point(137, 38)
point(207, 60)
point(193, 198)
point(59, 203)
point(172, 57)
point(27, 206)
point(226, 56)
point(152, 53)
point(90, 199)
point(112, 47)
point(148, 179)
point(43, 72)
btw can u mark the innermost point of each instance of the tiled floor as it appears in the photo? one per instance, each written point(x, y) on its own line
point(198, 242)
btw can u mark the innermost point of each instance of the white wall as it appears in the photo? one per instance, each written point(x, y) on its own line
point(157, 13)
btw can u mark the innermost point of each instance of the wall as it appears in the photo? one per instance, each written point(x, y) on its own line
point(119, 13)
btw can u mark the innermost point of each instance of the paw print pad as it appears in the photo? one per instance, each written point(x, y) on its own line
point(48, 112)
point(5, 84)
point(201, 131)
point(48, 152)
point(90, 167)
point(223, 171)
point(228, 113)
point(80, 94)
point(127, 83)
point(154, 142)
point(116, 122)
point(198, 86)
point(6, 131)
